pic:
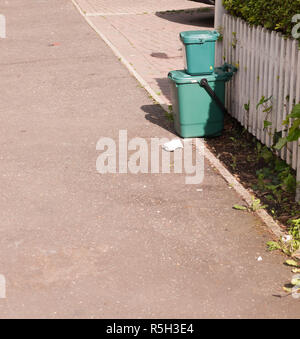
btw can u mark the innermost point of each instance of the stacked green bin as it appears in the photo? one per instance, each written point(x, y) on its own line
point(199, 51)
point(196, 114)
point(198, 92)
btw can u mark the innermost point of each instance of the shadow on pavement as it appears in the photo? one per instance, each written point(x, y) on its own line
point(156, 115)
point(202, 17)
point(163, 84)
point(161, 55)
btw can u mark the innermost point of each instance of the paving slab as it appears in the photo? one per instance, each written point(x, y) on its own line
point(149, 38)
point(121, 7)
point(78, 244)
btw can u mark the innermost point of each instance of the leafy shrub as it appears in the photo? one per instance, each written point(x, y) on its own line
point(293, 131)
point(271, 14)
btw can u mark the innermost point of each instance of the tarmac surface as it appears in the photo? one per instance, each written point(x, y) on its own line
point(75, 243)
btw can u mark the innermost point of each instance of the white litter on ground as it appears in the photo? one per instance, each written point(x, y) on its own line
point(286, 238)
point(172, 145)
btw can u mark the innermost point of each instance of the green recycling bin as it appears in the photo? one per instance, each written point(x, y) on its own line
point(199, 51)
point(196, 112)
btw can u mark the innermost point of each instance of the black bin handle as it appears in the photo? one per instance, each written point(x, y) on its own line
point(204, 83)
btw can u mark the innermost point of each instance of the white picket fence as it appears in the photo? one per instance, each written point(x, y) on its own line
point(269, 66)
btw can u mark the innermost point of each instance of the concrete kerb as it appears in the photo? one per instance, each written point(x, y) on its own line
point(271, 224)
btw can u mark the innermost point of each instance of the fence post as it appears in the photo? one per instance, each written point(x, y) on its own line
point(298, 187)
point(219, 12)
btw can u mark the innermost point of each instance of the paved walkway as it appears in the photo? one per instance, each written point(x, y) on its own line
point(104, 7)
point(148, 36)
point(74, 243)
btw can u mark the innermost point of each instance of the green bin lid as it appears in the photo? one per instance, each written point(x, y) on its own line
point(181, 77)
point(198, 37)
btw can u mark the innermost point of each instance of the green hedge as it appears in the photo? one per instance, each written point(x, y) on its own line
point(272, 14)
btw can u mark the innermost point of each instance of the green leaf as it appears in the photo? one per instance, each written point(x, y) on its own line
point(273, 246)
point(276, 137)
point(289, 183)
point(266, 154)
point(296, 281)
point(286, 251)
point(239, 207)
point(247, 106)
point(268, 109)
point(267, 124)
point(291, 262)
point(294, 134)
point(295, 112)
point(261, 101)
point(270, 14)
point(256, 205)
point(281, 143)
point(287, 289)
